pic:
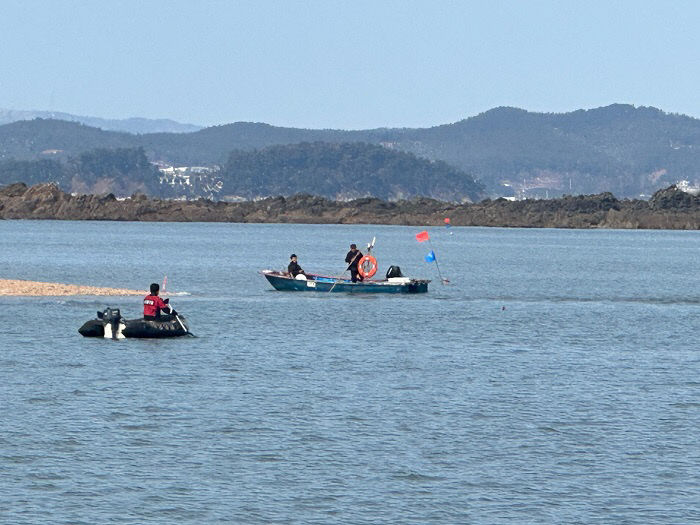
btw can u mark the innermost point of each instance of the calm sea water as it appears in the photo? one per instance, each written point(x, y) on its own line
point(556, 379)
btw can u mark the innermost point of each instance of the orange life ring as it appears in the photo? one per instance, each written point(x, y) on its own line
point(367, 266)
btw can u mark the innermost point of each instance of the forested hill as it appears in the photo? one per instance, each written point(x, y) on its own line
point(342, 172)
point(121, 171)
point(618, 148)
point(335, 171)
point(43, 139)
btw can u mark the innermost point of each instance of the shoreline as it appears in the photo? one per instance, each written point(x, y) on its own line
point(668, 209)
point(20, 287)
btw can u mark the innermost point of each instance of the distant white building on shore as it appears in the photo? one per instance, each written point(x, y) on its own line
point(199, 181)
point(685, 186)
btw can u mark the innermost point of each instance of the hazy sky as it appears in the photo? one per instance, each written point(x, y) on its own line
point(352, 64)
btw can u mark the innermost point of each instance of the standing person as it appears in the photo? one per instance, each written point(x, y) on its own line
point(352, 258)
point(294, 269)
point(152, 304)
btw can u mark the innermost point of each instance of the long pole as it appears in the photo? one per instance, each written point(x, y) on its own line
point(442, 281)
point(342, 275)
point(177, 318)
point(337, 280)
point(369, 250)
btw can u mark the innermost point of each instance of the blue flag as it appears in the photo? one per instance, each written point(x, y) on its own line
point(430, 257)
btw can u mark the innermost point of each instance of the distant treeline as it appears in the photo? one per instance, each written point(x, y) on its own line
point(335, 171)
point(120, 171)
point(342, 172)
point(626, 150)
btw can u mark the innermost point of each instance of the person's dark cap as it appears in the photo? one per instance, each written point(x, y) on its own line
point(154, 288)
point(293, 255)
point(353, 246)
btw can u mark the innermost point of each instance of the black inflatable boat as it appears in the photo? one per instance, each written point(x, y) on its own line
point(111, 325)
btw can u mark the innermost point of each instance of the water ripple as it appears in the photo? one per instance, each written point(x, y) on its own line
point(577, 403)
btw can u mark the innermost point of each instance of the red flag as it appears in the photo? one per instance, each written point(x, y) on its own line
point(422, 237)
point(447, 220)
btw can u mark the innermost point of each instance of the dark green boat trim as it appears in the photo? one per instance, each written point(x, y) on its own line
point(318, 283)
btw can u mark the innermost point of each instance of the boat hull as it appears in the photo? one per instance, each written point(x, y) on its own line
point(317, 283)
point(135, 328)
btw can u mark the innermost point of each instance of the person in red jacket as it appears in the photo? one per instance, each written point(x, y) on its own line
point(152, 304)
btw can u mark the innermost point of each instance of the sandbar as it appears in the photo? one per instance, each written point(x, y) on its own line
point(17, 287)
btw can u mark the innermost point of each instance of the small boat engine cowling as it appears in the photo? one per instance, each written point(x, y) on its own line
point(109, 315)
point(113, 324)
point(393, 271)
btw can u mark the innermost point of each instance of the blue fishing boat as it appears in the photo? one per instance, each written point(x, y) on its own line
point(283, 281)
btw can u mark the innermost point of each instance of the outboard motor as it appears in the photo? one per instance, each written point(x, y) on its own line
point(112, 319)
point(393, 271)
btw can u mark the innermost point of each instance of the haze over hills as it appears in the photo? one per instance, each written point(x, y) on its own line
point(620, 148)
point(129, 125)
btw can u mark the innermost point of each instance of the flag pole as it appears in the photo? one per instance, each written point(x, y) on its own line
point(442, 281)
point(425, 236)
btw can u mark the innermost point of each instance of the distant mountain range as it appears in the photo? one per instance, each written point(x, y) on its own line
point(627, 150)
point(129, 125)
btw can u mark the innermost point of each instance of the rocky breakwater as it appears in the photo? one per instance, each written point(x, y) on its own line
point(668, 209)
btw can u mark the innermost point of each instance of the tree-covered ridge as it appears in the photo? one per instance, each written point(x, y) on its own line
point(337, 171)
point(342, 172)
point(213, 145)
point(119, 171)
point(619, 148)
point(32, 139)
point(32, 172)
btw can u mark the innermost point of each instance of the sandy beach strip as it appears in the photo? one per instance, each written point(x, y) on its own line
point(37, 288)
